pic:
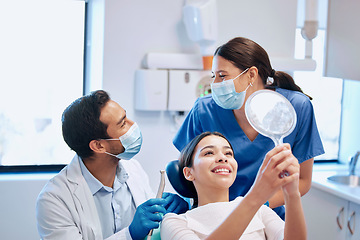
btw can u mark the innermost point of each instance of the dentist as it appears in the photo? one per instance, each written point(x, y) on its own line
point(103, 193)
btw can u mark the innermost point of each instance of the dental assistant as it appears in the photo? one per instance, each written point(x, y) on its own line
point(240, 68)
point(103, 193)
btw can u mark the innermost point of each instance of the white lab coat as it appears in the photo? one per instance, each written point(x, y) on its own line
point(65, 208)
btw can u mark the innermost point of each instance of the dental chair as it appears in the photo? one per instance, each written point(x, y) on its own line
point(176, 177)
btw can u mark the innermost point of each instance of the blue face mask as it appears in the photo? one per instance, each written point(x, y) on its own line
point(131, 141)
point(225, 95)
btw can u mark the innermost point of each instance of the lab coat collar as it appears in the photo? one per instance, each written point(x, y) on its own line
point(74, 174)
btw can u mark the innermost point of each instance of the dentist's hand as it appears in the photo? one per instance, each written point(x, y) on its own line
point(175, 203)
point(147, 216)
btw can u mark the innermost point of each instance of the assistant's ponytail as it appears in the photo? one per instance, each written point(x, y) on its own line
point(283, 80)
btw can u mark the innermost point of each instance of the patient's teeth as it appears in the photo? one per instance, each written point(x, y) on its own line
point(222, 170)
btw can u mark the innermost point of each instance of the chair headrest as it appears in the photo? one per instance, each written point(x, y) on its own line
point(176, 177)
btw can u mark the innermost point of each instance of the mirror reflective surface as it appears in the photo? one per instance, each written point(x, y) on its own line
point(270, 114)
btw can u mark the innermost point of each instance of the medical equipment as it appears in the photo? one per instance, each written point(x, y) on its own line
point(170, 90)
point(159, 194)
point(270, 114)
point(200, 20)
point(311, 25)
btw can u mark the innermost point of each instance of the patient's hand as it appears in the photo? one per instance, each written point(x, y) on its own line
point(292, 188)
point(268, 180)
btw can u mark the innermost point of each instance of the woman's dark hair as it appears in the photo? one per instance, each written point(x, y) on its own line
point(81, 122)
point(186, 158)
point(245, 53)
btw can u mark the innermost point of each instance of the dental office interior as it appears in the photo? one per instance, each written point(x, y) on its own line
point(148, 55)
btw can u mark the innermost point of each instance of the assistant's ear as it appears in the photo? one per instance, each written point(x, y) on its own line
point(253, 73)
point(97, 146)
point(188, 174)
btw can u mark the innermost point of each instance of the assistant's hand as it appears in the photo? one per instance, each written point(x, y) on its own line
point(147, 217)
point(175, 203)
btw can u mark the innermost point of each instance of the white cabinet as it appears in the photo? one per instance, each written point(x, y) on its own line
point(330, 217)
point(353, 222)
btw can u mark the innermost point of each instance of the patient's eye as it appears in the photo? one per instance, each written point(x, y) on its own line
point(229, 153)
point(208, 153)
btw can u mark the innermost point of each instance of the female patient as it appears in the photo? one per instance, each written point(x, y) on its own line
point(208, 161)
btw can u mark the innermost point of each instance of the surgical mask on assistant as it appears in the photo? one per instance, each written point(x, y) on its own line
point(225, 95)
point(131, 142)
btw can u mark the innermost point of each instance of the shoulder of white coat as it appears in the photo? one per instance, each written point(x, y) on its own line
point(55, 184)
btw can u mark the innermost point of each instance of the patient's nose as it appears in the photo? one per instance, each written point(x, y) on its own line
point(222, 160)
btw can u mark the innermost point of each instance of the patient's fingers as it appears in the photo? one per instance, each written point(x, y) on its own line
point(277, 161)
point(289, 179)
point(269, 156)
point(288, 166)
point(279, 157)
point(284, 160)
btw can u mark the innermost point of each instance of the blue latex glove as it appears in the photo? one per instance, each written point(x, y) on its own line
point(147, 216)
point(174, 203)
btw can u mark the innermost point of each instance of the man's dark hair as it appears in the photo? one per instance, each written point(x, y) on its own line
point(81, 122)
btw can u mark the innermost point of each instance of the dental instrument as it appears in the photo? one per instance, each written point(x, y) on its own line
point(159, 195)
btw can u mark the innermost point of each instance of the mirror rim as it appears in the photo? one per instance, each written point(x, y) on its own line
point(260, 129)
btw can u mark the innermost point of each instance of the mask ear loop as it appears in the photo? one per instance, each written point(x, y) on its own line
point(250, 85)
point(110, 154)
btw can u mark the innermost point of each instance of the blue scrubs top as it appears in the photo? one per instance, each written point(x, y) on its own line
point(206, 115)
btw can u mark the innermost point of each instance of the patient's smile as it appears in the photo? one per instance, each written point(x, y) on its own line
point(221, 170)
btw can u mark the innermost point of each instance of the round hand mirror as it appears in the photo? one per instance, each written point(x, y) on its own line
point(270, 114)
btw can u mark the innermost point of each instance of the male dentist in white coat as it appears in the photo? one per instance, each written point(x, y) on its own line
point(103, 193)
